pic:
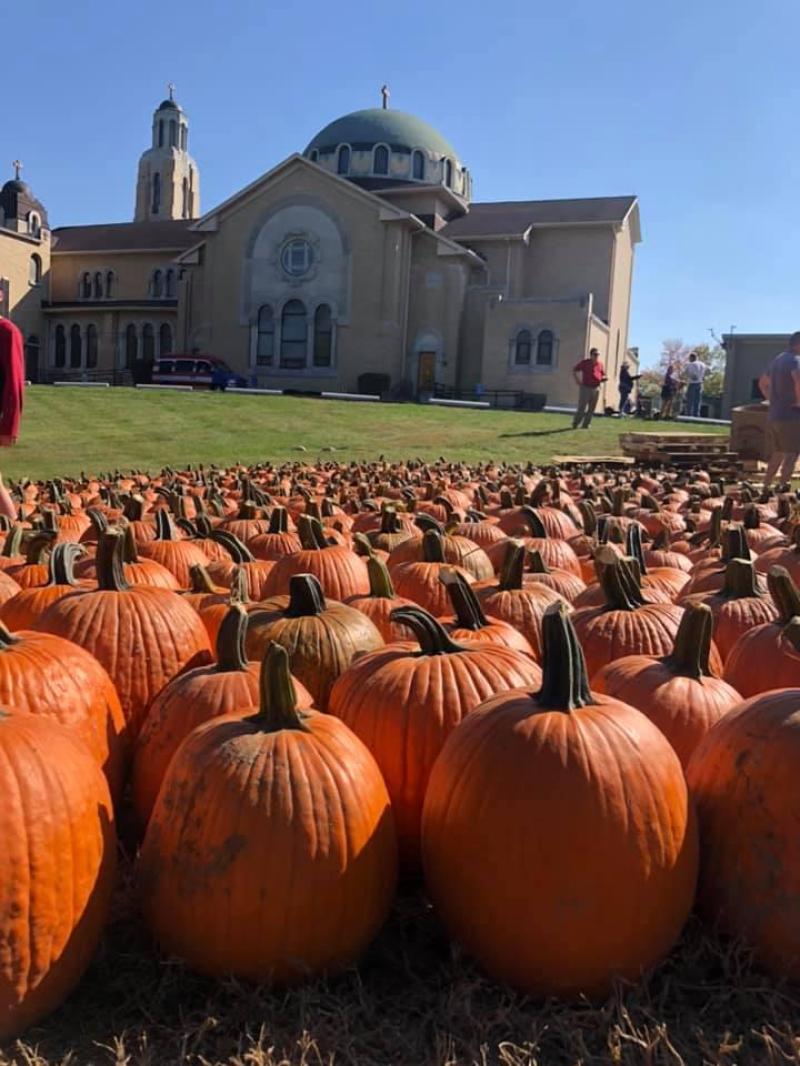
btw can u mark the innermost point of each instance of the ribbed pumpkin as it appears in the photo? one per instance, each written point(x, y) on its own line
point(667, 579)
point(768, 655)
point(469, 623)
point(744, 781)
point(738, 606)
point(137, 571)
point(57, 872)
point(394, 529)
point(340, 572)
point(380, 603)
point(567, 807)
point(291, 827)
point(556, 551)
point(787, 557)
point(563, 582)
point(520, 603)
point(321, 636)
point(178, 555)
point(24, 610)
point(192, 698)
point(47, 675)
point(404, 701)
point(419, 581)
point(8, 588)
point(240, 561)
point(34, 570)
point(278, 540)
point(626, 624)
point(142, 636)
point(677, 692)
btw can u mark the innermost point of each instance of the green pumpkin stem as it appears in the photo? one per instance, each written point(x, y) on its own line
point(533, 522)
point(740, 580)
point(589, 517)
point(200, 580)
point(734, 544)
point(633, 545)
point(618, 580)
point(278, 521)
point(536, 564)
point(784, 593)
point(390, 523)
point(513, 567)
point(231, 638)
point(109, 563)
point(433, 547)
point(311, 533)
point(565, 682)
point(278, 698)
point(431, 636)
point(38, 545)
point(305, 596)
point(233, 546)
point(380, 580)
point(165, 527)
point(240, 588)
point(7, 639)
point(468, 611)
point(61, 562)
point(692, 648)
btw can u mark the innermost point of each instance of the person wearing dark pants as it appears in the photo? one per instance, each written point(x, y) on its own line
point(695, 373)
point(626, 380)
point(589, 376)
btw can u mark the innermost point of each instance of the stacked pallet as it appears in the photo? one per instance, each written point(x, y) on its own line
point(711, 451)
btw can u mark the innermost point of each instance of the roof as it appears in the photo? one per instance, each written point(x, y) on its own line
point(168, 235)
point(376, 125)
point(514, 217)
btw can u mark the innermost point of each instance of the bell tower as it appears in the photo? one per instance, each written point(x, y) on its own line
point(168, 185)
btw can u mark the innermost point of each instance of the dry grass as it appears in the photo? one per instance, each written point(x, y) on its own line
point(414, 1000)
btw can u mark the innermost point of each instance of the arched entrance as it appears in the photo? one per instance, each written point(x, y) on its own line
point(427, 363)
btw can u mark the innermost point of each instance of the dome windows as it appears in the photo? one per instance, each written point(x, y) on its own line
point(343, 160)
point(297, 256)
point(380, 160)
point(417, 165)
point(448, 173)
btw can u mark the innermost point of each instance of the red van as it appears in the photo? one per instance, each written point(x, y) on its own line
point(199, 371)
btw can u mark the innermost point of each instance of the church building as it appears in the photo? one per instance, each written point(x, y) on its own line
point(362, 262)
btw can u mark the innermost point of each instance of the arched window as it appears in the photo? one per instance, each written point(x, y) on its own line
point(265, 346)
point(169, 284)
point(294, 336)
point(60, 352)
point(91, 347)
point(131, 346)
point(448, 173)
point(343, 160)
point(156, 286)
point(173, 133)
point(161, 133)
point(184, 136)
point(185, 205)
point(380, 160)
point(156, 205)
point(148, 343)
point(418, 166)
point(314, 155)
point(86, 286)
point(522, 348)
point(544, 348)
point(98, 286)
point(35, 270)
point(323, 336)
point(34, 225)
point(165, 339)
point(109, 284)
point(74, 346)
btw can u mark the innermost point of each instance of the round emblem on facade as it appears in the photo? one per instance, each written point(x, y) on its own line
point(297, 257)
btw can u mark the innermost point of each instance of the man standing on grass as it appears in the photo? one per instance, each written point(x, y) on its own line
point(589, 376)
point(695, 373)
point(780, 385)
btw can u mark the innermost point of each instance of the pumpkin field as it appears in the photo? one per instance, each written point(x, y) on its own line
point(313, 759)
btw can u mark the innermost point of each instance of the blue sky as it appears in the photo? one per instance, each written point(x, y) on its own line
point(693, 106)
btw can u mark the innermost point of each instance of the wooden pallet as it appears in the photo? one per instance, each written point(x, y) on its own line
point(593, 460)
point(711, 450)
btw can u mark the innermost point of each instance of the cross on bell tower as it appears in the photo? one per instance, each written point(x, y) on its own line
point(17, 165)
point(385, 94)
point(171, 90)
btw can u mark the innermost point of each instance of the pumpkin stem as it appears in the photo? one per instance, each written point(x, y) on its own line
point(7, 639)
point(390, 523)
point(692, 648)
point(618, 581)
point(751, 519)
point(380, 581)
point(533, 522)
point(165, 527)
point(565, 683)
point(537, 563)
point(362, 546)
point(633, 545)
point(200, 580)
point(784, 593)
point(231, 638)
point(62, 560)
point(433, 547)
point(12, 545)
point(305, 596)
point(426, 522)
point(278, 521)
point(468, 611)
point(734, 544)
point(589, 516)
point(513, 566)
point(39, 543)
point(740, 580)
point(278, 699)
point(239, 591)
point(792, 633)
point(109, 563)
point(431, 635)
point(233, 546)
point(310, 533)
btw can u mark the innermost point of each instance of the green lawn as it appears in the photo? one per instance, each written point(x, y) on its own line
point(66, 431)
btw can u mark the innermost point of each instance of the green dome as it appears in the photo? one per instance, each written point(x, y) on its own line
point(362, 130)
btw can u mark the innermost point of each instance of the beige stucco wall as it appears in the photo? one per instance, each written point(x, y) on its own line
point(748, 356)
point(25, 300)
point(133, 272)
point(435, 313)
point(569, 321)
point(620, 300)
point(565, 262)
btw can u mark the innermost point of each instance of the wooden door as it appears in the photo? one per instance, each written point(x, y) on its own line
point(426, 377)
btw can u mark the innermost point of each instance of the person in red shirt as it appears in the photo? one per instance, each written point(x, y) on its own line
point(589, 376)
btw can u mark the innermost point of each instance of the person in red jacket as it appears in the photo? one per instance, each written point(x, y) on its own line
point(12, 379)
point(589, 376)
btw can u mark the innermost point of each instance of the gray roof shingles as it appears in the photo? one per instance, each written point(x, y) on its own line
point(513, 217)
point(169, 235)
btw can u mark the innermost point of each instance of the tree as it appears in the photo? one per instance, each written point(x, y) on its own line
point(675, 353)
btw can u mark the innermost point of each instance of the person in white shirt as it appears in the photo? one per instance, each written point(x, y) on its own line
point(695, 373)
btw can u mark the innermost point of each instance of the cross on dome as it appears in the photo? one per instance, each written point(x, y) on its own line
point(385, 94)
point(17, 165)
point(171, 90)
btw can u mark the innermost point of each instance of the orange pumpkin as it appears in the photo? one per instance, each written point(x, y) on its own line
point(739, 606)
point(470, 623)
point(570, 807)
point(340, 572)
point(175, 553)
point(419, 581)
point(287, 791)
point(24, 609)
point(380, 603)
point(768, 655)
point(57, 874)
